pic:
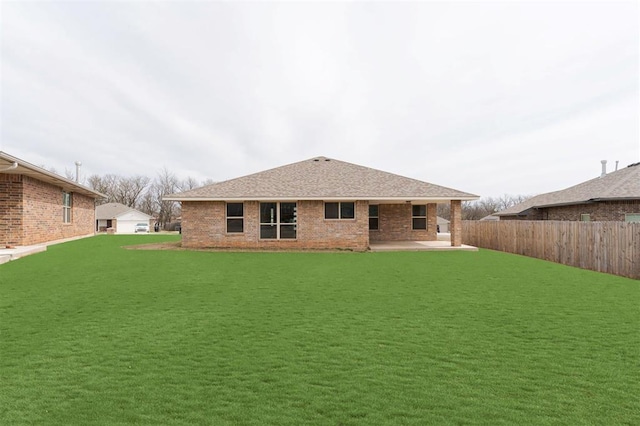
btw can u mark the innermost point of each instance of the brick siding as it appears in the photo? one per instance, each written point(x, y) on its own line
point(395, 224)
point(601, 211)
point(10, 209)
point(31, 212)
point(204, 226)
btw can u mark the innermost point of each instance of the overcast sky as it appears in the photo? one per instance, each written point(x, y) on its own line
point(490, 98)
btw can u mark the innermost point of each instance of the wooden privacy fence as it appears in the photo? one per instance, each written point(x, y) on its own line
point(612, 247)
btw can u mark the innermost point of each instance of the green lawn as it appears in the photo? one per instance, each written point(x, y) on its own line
point(91, 333)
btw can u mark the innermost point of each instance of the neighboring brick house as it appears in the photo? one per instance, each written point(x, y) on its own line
point(611, 197)
point(318, 203)
point(37, 206)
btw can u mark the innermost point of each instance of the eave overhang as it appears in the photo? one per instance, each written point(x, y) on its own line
point(26, 169)
point(377, 200)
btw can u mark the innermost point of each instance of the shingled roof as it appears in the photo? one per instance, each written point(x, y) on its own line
point(322, 178)
point(113, 210)
point(623, 184)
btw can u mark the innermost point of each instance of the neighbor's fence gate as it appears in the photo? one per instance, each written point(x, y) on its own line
point(612, 247)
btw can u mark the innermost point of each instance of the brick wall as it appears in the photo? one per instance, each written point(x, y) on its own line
point(204, 225)
point(600, 212)
point(10, 210)
point(395, 224)
point(35, 212)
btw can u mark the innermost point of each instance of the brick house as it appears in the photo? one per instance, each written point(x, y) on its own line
point(37, 206)
point(320, 203)
point(613, 196)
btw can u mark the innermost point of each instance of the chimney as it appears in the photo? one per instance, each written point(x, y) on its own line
point(604, 168)
point(617, 161)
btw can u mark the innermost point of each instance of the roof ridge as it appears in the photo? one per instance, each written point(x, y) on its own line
point(321, 177)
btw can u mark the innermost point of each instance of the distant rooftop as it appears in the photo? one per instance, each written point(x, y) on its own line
point(623, 184)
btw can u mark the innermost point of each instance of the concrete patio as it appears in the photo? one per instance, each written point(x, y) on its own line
point(418, 246)
point(9, 254)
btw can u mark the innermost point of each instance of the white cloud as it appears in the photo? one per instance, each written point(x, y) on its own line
point(487, 97)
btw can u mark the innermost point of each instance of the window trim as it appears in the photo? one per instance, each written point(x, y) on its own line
point(414, 217)
point(67, 208)
point(585, 217)
point(339, 203)
point(278, 224)
point(227, 217)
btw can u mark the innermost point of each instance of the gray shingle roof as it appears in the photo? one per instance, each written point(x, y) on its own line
point(321, 178)
point(113, 210)
point(623, 184)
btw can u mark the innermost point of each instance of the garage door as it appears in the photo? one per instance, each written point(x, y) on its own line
point(126, 226)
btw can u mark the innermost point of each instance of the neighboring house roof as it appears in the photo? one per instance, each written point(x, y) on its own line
point(322, 178)
point(115, 210)
point(490, 217)
point(13, 165)
point(442, 220)
point(623, 184)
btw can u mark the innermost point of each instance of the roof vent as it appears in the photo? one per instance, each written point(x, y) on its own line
point(316, 159)
point(327, 159)
point(604, 168)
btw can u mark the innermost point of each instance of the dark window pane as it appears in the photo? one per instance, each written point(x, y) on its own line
point(288, 213)
point(373, 211)
point(235, 210)
point(331, 210)
point(235, 225)
point(288, 231)
point(268, 213)
point(419, 223)
point(373, 223)
point(268, 231)
point(347, 211)
point(419, 210)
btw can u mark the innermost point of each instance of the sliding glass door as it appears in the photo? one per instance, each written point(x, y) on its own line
point(278, 221)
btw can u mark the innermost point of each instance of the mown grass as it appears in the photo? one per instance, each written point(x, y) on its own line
point(91, 333)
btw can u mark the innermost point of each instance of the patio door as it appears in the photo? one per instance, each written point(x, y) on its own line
point(278, 221)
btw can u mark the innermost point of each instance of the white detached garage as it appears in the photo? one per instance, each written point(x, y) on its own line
point(121, 218)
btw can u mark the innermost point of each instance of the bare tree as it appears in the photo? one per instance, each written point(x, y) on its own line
point(164, 184)
point(119, 189)
point(69, 174)
point(106, 184)
point(189, 183)
point(147, 203)
point(129, 190)
point(475, 210)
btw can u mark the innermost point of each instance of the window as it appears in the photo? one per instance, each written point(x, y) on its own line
point(632, 217)
point(339, 210)
point(278, 221)
point(585, 217)
point(373, 217)
point(66, 207)
point(235, 218)
point(419, 217)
